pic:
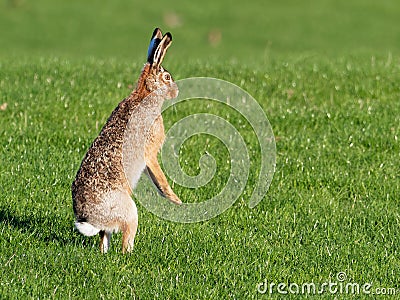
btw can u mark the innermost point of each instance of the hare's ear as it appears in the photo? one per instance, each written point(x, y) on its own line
point(162, 49)
point(154, 42)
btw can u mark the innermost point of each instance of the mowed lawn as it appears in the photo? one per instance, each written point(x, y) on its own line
point(328, 81)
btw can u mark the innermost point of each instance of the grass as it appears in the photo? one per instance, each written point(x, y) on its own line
point(249, 34)
point(333, 204)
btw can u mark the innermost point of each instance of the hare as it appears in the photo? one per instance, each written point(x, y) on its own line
point(126, 146)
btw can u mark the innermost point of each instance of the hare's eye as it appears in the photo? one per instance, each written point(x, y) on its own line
point(167, 77)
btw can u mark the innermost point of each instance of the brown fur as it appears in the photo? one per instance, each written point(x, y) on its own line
point(153, 169)
point(126, 145)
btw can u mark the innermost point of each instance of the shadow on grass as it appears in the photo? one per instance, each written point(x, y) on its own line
point(42, 226)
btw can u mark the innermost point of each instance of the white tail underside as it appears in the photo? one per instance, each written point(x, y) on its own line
point(86, 228)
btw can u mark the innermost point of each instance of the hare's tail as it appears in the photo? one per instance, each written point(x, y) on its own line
point(86, 229)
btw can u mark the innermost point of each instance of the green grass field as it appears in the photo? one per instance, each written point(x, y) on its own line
point(327, 74)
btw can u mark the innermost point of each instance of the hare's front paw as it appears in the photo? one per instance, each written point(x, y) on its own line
point(174, 198)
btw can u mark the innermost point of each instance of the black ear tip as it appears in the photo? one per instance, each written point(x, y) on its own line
point(169, 35)
point(156, 33)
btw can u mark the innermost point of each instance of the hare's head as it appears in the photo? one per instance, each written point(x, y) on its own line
point(154, 77)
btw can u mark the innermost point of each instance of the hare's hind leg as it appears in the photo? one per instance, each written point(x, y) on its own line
point(129, 226)
point(129, 222)
point(105, 237)
point(122, 216)
point(128, 235)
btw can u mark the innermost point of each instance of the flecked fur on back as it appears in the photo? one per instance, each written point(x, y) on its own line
point(127, 144)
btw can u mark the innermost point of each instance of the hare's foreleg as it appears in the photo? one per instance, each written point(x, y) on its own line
point(153, 169)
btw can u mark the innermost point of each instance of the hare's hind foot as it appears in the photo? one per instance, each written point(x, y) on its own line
point(128, 235)
point(105, 237)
